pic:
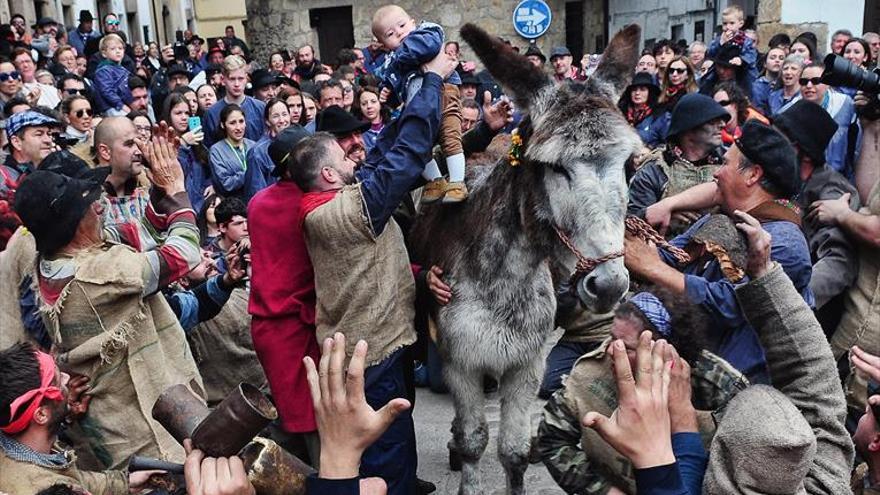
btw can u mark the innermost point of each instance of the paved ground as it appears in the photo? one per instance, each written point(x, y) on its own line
point(433, 416)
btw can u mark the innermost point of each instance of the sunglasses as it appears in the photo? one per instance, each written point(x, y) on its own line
point(113, 22)
point(83, 111)
point(5, 76)
point(72, 92)
point(724, 103)
point(815, 80)
point(678, 70)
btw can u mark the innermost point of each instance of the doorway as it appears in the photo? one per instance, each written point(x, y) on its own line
point(574, 29)
point(335, 31)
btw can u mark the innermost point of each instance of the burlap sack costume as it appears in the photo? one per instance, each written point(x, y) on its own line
point(131, 346)
point(16, 262)
point(364, 283)
point(860, 324)
point(32, 478)
point(224, 351)
point(592, 387)
point(681, 175)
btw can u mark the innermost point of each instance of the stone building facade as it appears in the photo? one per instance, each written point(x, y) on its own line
point(274, 24)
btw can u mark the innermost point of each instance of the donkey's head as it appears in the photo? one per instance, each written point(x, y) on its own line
point(578, 142)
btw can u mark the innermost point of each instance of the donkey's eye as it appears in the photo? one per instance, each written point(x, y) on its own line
point(561, 171)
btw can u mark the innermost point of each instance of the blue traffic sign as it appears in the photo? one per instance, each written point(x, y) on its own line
point(531, 18)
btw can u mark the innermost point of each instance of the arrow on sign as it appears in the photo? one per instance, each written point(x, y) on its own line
point(533, 17)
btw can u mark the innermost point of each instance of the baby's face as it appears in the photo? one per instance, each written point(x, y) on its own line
point(395, 27)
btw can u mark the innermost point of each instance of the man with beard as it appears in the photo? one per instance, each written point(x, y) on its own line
point(34, 397)
point(348, 223)
point(307, 66)
point(347, 130)
point(101, 302)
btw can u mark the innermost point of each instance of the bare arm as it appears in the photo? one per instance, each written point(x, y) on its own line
point(865, 228)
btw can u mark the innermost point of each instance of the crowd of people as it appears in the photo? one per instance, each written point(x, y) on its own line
point(188, 214)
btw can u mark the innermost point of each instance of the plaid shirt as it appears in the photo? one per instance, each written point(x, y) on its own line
point(713, 382)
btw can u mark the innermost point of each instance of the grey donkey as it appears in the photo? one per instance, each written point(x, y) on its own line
point(501, 251)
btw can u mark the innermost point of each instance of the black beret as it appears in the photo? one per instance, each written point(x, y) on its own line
point(767, 147)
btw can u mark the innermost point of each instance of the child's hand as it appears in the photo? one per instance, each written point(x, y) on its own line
point(384, 94)
point(736, 61)
point(726, 36)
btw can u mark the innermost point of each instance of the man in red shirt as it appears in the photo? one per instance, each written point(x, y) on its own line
point(282, 300)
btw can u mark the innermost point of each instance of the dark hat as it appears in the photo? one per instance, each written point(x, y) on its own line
point(85, 16)
point(45, 21)
point(767, 147)
point(692, 111)
point(559, 51)
point(282, 79)
point(726, 53)
point(195, 38)
point(213, 69)
point(809, 126)
point(283, 144)
point(176, 69)
point(468, 78)
point(261, 78)
point(65, 162)
point(51, 206)
point(534, 50)
point(338, 122)
point(646, 80)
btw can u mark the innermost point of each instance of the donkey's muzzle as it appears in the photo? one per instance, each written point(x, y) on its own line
point(604, 287)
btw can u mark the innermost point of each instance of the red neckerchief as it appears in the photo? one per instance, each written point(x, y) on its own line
point(637, 113)
point(728, 138)
point(311, 201)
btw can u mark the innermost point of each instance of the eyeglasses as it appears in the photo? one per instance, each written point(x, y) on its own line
point(724, 103)
point(113, 22)
point(815, 80)
point(5, 76)
point(74, 91)
point(143, 129)
point(83, 111)
point(678, 70)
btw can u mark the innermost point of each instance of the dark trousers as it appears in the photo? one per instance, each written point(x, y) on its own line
point(393, 456)
point(560, 361)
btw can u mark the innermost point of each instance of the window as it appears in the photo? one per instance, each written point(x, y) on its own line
point(700, 31)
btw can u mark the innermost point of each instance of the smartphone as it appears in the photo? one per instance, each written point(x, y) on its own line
point(194, 123)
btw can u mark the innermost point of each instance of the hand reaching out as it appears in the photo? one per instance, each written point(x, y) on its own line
point(865, 362)
point(496, 115)
point(347, 425)
point(830, 211)
point(639, 428)
point(78, 399)
point(442, 293)
point(210, 476)
point(160, 152)
point(758, 262)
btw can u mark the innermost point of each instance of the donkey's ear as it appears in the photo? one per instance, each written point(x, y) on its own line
point(618, 62)
point(519, 77)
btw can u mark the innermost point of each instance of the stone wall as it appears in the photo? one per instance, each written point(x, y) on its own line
point(770, 23)
point(274, 24)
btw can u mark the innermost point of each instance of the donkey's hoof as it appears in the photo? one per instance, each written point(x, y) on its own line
point(454, 460)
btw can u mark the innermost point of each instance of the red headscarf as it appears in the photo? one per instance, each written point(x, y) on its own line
point(46, 391)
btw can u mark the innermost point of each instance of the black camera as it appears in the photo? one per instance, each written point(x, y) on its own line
point(181, 52)
point(841, 72)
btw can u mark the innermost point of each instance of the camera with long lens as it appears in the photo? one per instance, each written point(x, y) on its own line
point(841, 72)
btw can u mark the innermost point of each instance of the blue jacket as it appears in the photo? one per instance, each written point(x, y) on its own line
point(761, 89)
point(395, 163)
point(749, 55)
point(227, 169)
point(404, 63)
point(683, 477)
point(202, 303)
point(705, 284)
point(196, 176)
point(111, 87)
point(369, 137)
point(655, 135)
point(253, 116)
point(79, 40)
point(776, 100)
point(840, 153)
point(258, 175)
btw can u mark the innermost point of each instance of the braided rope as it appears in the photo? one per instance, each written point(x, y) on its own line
point(635, 226)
